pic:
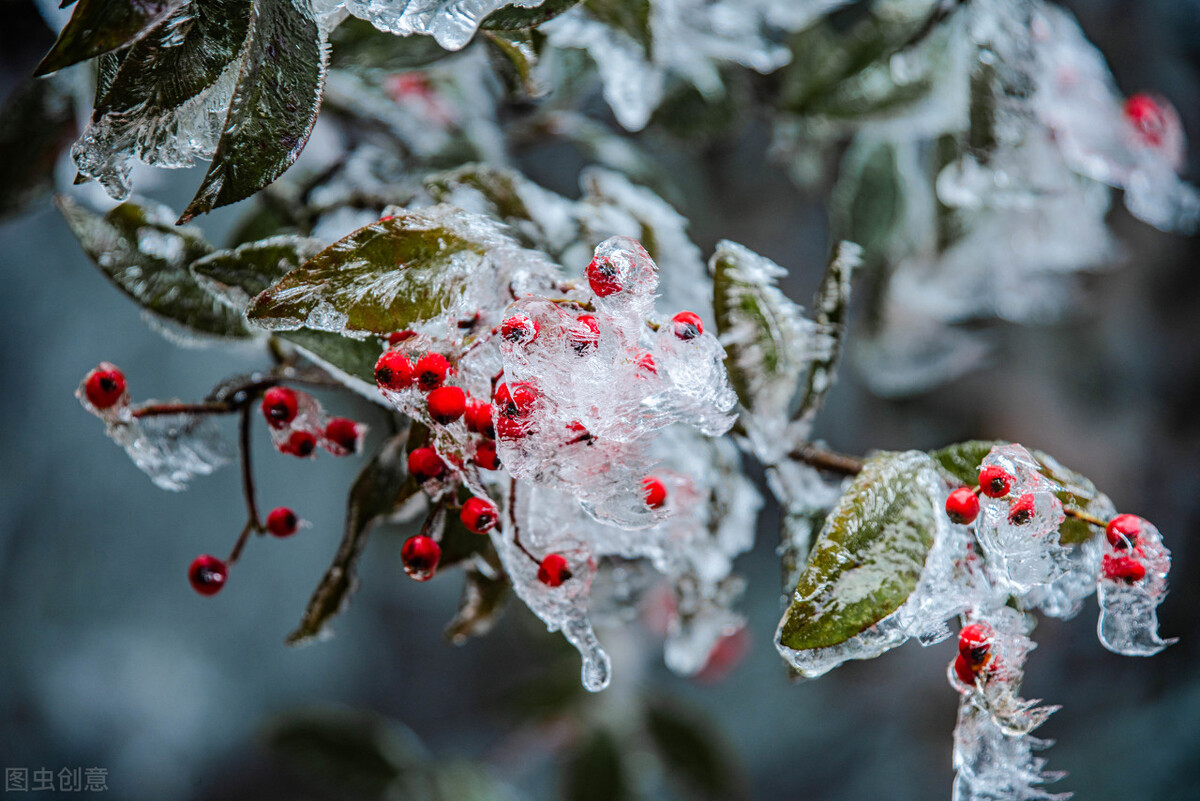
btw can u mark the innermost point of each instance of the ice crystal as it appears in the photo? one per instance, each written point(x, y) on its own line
point(1128, 621)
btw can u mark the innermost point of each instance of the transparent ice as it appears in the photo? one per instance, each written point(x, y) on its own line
point(1128, 621)
point(451, 22)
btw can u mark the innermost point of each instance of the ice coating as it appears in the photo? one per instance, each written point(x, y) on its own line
point(451, 22)
point(1019, 532)
point(1128, 621)
point(991, 765)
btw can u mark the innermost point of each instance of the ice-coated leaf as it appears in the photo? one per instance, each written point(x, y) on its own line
point(520, 50)
point(516, 18)
point(99, 26)
point(963, 459)
point(238, 274)
point(868, 557)
point(274, 104)
point(692, 751)
point(482, 602)
point(404, 270)
point(451, 22)
point(37, 121)
point(140, 249)
point(830, 310)
point(358, 46)
point(765, 335)
point(381, 487)
point(867, 202)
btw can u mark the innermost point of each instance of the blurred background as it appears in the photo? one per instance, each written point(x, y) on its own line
point(110, 660)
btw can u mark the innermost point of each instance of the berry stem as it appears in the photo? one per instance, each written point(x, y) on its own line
point(204, 407)
point(247, 475)
point(240, 544)
point(830, 461)
point(1079, 514)
point(584, 305)
point(512, 519)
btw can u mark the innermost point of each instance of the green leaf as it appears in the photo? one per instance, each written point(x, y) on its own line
point(354, 358)
point(381, 487)
point(500, 189)
point(178, 59)
point(868, 557)
point(962, 462)
point(482, 603)
point(237, 275)
point(594, 772)
point(519, 51)
point(512, 18)
point(98, 26)
point(359, 47)
point(630, 16)
point(139, 249)
point(274, 104)
point(398, 272)
point(356, 752)
point(867, 205)
point(36, 122)
point(766, 337)
point(830, 312)
point(692, 751)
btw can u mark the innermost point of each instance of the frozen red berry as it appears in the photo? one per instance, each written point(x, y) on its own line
point(519, 329)
point(510, 428)
point(975, 643)
point(516, 401)
point(424, 464)
point(104, 386)
point(995, 482)
point(478, 418)
point(687, 325)
point(207, 574)
point(393, 371)
point(282, 522)
point(479, 515)
point(655, 492)
point(431, 371)
point(1148, 117)
point(344, 434)
point(280, 406)
point(604, 277)
point(485, 455)
point(1021, 510)
point(301, 443)
point(962, 506)
point(446, 404)
point(584, 334)
point(553, 570)
point(1124, 531)
point(420, 555)
point(646, 365)
point(1123, 568)
point(964, 671)
point(396, 337)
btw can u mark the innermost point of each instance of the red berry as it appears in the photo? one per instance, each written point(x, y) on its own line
point(393, 371)
point(656, 493)
point(962, 506)
point(1021, 511)
point(424, 464)
point(479, 515)
point(396, 337)
point(104, 386)
point(687, 325)
point(975, 643)
point(280, 406)
point(604, 277)
point(584, 335)
point(420, 555)
point(995, 482)
point(1148, 118)
point(1123, 568)
point(646, 364)
point(485, 455)
point(282, 522)
point(431, 371)
point(300, 443)
point(207, 574)
point(962, 669)
point(446, 404)
point(510, 428)
point(519, 329)
point(1124, 531)
point(517, 401)
point(553, 570)
point(478, 418)
point(344, 433)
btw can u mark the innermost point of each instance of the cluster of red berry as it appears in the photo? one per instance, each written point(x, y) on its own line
point(975, 659)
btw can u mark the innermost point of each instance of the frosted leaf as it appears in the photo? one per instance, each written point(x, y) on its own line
point(170, 448)
point(1128, 621)
point(1019, 532)
point(689, 40)
point(769, 341)
point(451, 22)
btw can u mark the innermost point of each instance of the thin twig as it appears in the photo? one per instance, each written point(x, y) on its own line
point(512, 519)
point(247, 472)
point(1079, 514)
point(204, 407)
point(828, 460)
